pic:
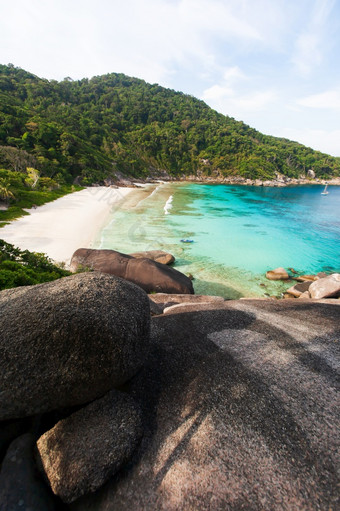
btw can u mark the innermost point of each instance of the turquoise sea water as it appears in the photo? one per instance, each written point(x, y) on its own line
point(239, 232)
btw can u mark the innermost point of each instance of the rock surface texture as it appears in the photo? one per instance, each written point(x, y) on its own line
point(325, 287)
point(69, 341)
point(240, 411)
point(164, 300)
point(20, 486)
point(156, 255)
point(81, 452)
point(145, 273)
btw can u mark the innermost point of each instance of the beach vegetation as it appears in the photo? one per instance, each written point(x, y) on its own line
point(91, 128)
point(25, 268)
point(17, 193)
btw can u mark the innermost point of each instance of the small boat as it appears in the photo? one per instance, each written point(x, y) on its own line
point(325, 190)
point(187, 241)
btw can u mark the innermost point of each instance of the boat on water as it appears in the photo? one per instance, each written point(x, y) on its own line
point(325, 192)
point(187, 241)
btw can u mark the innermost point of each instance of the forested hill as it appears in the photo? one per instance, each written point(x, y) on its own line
point(94, 127)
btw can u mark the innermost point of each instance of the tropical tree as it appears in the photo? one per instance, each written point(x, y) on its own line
point(5, 193)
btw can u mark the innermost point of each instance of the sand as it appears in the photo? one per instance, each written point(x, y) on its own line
point(60, 227)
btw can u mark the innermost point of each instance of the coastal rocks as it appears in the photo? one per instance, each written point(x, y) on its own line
point(20, 486)
point(277, 274)
point(240, 412)
point(306, 278)
point(299, 289)
point(145, 273)
point(69, 341)
point(156, 255)
point(326, 287)
point(84, 450)
point(166, 301)
point(311, 174)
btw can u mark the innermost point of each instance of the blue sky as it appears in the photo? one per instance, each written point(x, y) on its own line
point(273, 64)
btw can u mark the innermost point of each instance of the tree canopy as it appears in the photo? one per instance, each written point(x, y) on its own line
point(93, 127)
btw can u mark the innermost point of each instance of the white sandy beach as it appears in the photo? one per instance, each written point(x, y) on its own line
point(60, 227)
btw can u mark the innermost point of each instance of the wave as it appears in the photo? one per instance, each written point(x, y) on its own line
point(148, 197)
point(168, 205)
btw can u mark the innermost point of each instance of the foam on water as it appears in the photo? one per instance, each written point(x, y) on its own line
point(168, 205)
point(239, 232)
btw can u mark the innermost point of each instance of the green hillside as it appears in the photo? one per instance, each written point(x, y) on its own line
point(94, 127)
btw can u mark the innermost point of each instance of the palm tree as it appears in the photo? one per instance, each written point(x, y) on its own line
point(5, 193)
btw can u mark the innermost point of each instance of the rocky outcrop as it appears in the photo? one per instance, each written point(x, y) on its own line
point(326, 287)
point(156, 255)
point(164, 300)
point(69, 341)
point(20, 485)
point(299, 289)
point(145, 273)
point(277, 274)
point(82, 451)
point(240, 412)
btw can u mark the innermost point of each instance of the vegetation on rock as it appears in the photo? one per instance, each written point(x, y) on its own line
point(95, 127)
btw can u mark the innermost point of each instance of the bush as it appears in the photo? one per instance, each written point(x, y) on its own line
point(25, 268)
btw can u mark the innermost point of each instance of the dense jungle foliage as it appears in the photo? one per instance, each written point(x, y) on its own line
point(95, 127)
point(24, 268)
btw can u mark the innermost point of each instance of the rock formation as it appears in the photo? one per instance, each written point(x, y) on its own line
point(326, 287)
point(145, 273)
point(240, 411)
point(69, 341)
point(237, 400)
point(277, 274)
point(20, 485)
point(82, 451)
point(165, 300)
point(156, 255)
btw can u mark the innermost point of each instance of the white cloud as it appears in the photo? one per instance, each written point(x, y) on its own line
point(217, 92)
point(233, 73)
point(328, 100)
point(228, 102)
point(311, 42)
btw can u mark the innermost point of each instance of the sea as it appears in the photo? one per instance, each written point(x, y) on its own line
point(227, 236)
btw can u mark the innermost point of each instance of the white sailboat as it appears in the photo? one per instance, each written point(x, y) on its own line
point(325, 190)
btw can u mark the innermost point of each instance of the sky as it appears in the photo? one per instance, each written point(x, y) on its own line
point(273, 64)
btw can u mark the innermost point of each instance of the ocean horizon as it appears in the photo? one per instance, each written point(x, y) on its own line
point(237, 232)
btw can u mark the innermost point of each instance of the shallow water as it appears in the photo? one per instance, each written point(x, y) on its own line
point(239, 232)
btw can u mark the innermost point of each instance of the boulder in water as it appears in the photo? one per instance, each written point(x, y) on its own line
point(145, 273)
point(277, 274)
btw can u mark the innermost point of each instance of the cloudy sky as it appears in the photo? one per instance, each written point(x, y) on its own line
point(273, 64)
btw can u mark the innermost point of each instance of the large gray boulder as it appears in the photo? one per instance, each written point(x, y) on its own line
point(82, 451)
point(156, 255)
point(326, 287)
point(20, 484)
point(69, 341)
point(147, 274)
point(241, 412)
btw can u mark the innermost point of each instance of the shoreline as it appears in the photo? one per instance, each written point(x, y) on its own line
point(237, 180)
point(60, 227)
